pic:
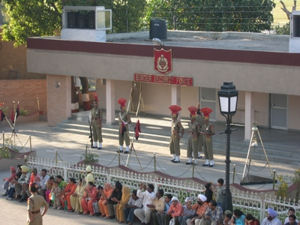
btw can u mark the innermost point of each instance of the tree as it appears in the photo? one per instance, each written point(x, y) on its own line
point(286, 11)
point(213, 15)
point(29, 18)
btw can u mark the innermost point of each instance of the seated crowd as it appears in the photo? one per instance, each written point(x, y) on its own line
point(143, 205)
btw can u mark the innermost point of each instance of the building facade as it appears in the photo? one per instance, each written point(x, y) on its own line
point(268, 81)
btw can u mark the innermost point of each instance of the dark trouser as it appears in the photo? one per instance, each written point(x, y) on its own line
point(11, 192)
point(111, 209)
point(129, 215)
point(6, 186)
point(158, 218)
point(182, 219)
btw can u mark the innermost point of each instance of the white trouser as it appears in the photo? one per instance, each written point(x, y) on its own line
point(143, 214)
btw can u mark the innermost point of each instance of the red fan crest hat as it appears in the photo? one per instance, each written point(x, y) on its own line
point(175, 109)
point(206, 111)
point(192, 110)
point(122, 102)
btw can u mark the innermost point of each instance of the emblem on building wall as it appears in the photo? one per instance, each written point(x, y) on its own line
point(163, 60)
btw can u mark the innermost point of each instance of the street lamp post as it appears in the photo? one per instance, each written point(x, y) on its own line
point(228, 97)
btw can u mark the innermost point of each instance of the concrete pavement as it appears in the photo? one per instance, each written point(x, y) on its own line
point(70, 139)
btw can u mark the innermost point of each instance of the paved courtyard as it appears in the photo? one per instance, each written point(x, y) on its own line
point(70, 138)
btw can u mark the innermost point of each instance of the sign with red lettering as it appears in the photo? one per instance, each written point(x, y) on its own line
point(163, 60)
point(161, 79)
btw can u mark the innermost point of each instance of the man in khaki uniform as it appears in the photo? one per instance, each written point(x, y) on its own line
point(96, 121)
point(177, 132)
point(194, 132)
point(124, 120)
point(200, 120)
point(34, 204)
point(208, 131)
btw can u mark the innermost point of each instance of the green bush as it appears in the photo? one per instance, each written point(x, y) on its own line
point(285, 29)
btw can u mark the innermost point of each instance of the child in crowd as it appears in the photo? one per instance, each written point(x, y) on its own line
point(49, 186)
point(55, 195)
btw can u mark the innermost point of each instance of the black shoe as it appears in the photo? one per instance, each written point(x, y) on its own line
point(205, 164)
point(99, 148)
point(176, 162)
point(5, 194)
point(126, 152)
point(172, 160)
point(94, 147)
point(120, 151)
point(189, 163)
point(200, 157)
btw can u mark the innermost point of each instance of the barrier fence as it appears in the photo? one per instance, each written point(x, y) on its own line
point(255, 202)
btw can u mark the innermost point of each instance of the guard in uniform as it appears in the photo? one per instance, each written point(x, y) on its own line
point(208, 131)
point(34, 204)
point(96, 121)
point(200, 121)
point(194, 132)
point(124, 120)
point(177, 132)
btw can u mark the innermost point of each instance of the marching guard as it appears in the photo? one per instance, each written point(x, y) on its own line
point(177, 132)
point(208, 131)
point(124, 120)
point(200, 121)
point(194, 133)
point(96, 122)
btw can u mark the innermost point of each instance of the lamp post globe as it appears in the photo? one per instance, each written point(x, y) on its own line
point(228, 97)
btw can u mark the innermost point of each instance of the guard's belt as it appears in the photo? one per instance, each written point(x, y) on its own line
point(35, 212)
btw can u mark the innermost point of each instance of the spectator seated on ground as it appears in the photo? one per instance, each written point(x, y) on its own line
point(290, 212)
point(175, 211)
point(200, 208)
point(49, 186)
point(21, 185)
point(114, 199)
point(148, 196)
point(251, 220)
point(44, 177)
point(292, 220)
point(9, 180)
point(102, 203)
point(88, 198)
point(66, 194)
point(61, 183)
point(238, 217)
point(55, 195)
point(188, 211)
point(119, 209)
point(34, 177)
point(134, 203)
point(157, 208)
point(271, 219)
point(227, 217)
point(75, 198)
point(95, 203)
point(209, 192)
point(213, 214)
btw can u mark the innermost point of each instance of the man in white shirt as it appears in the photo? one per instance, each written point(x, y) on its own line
point(148, 196)
point(43, 181)
point(271, 219)
point(290, 212)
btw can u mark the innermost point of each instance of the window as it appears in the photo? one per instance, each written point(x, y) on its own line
point(208, 98)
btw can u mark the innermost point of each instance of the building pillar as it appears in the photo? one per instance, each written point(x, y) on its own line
point(175, 95)
point(110, 102)
point(58, 98)
point(249, 115)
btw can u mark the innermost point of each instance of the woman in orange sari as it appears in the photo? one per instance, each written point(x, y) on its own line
point(102, 203)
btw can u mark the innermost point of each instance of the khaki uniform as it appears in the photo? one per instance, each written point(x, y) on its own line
point(124, 119)
point(176, 131)
point(34, 203)
point(207, 141)
point(200, 122)
point(96, 124)
point(192, 149)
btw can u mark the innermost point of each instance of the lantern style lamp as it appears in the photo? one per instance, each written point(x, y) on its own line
point(228, 97)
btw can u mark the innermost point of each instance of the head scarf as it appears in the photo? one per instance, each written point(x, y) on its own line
point(272, 212)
